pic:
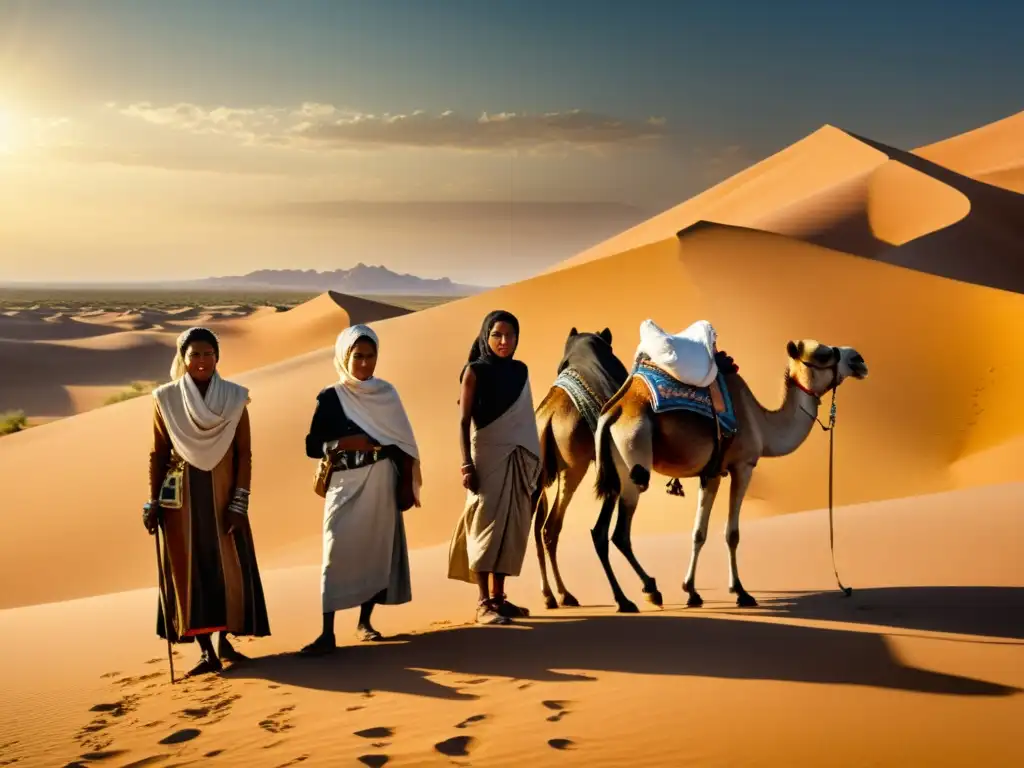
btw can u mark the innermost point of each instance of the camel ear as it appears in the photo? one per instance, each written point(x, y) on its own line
point(795, 349)
point(606, 334)
point(573, 332)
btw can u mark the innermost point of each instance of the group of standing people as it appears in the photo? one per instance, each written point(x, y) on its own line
point(201, 468)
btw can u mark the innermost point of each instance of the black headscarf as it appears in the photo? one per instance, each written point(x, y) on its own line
point(499, 380)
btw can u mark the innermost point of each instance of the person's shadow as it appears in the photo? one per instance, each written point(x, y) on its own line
point(649, 644)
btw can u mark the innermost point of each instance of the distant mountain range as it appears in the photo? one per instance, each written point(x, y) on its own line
point(360, 279)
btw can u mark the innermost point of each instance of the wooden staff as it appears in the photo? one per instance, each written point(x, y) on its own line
point(163, 601)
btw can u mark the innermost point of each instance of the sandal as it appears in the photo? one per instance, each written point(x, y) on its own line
point(320, 647)
point(511, 610)
point(487, 614)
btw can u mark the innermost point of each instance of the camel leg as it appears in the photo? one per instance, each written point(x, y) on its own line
point(540, 515)
point(599, 533)
point(740, 481)
point(705, 501)
point(568, 482)
point(622, 539)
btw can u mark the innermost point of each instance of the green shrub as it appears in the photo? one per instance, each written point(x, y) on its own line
point(136, 389)
point(12, 421)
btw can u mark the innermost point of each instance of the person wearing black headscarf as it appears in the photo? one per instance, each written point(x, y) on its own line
point(500, 467)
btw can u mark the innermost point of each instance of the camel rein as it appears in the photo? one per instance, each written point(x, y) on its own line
point(831, 462)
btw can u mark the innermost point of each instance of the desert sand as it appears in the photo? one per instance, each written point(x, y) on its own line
point(922, 665)
point(60, 364)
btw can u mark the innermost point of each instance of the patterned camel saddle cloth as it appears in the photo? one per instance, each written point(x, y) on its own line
point(688, 356)
point(670, 394)
point(583, 397)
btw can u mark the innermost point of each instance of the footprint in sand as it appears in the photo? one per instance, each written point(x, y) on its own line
point(180, 737)
point(457, 746)
point(559, 707)
point(374, 761)
point(95, 757)
point(561, 744)
point(277, 722)
point(380, 732)
point(353, 709)
point(470, 720)
point(214, 753)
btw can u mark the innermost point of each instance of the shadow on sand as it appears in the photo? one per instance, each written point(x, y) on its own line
point(648, 644)
point(981, 611)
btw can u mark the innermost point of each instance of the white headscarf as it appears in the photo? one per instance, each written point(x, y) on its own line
point(201, 428)
point(374, 404)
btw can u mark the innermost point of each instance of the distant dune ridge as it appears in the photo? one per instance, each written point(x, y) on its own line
point(915, 263)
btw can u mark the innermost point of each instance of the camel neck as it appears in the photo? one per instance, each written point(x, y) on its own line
point(784, 430)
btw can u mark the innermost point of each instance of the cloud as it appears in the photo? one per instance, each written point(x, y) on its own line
point(323, 127)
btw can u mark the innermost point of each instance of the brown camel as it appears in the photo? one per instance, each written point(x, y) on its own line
point(632, 441)
point(588, 375)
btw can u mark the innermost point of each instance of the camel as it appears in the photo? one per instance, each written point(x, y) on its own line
point(632, 441)
point(588, 375)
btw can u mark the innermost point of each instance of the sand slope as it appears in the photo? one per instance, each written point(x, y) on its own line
point(49, 375)
point(859, 196)
point(993, 153)
point(923, 665)
point(941, 388)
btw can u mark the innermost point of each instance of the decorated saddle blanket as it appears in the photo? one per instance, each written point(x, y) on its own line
point(583, 397)
point(688, 356)
point(669, 394)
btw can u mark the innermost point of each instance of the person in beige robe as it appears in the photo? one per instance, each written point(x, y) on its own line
point(500, 469)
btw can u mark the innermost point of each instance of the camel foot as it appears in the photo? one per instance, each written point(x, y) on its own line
point(654, 598)
point(694, 601)
point(568, 601)
point(549, 602)
point(744, 600)
point(627, 606)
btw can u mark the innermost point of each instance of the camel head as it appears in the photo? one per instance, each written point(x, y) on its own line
point(851, 363)
point(590, 346)
point(817, 368)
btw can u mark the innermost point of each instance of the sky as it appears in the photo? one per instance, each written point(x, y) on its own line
point(153, 139)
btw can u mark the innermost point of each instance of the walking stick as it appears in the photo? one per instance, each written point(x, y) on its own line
point(163, 601)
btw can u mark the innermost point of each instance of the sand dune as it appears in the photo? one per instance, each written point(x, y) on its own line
point(71, 372)
point(993, 153)
point(862, 197)
point(941, 389)
point(39, 376)
point(810, 678)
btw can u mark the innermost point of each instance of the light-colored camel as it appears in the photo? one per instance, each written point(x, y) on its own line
point(633, 441)
point(567, 443)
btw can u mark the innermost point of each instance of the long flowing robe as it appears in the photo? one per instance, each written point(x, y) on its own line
point(494, 530)
point(365, 551)
point(211, 580)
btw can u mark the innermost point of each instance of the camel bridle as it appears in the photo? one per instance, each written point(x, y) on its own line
point(834, 386)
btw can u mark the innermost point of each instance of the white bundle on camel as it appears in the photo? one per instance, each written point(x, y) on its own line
point(688, 356)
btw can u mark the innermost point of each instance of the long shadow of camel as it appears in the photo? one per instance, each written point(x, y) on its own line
point(653, 644)
point(982, 611)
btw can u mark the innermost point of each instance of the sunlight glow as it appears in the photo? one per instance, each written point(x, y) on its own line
point(6, 131)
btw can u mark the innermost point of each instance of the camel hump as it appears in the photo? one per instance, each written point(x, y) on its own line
point(688, 356)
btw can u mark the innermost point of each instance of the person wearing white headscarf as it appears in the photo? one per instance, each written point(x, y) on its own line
point(361, 424)
point(200, 471)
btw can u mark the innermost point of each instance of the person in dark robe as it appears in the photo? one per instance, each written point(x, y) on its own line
point(200, 471)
